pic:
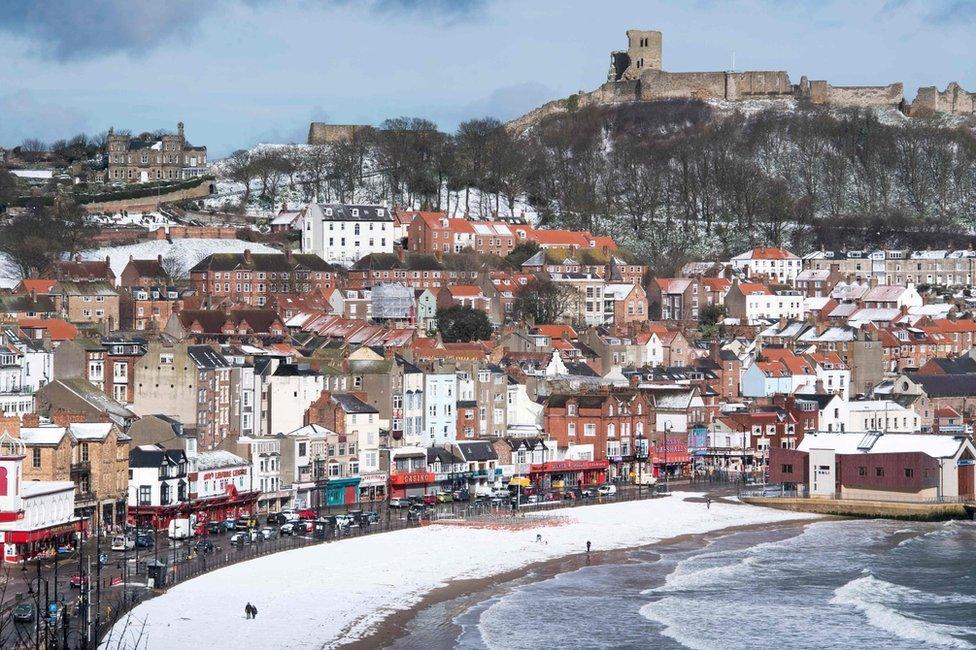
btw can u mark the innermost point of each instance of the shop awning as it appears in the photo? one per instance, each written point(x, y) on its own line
point(520, 481)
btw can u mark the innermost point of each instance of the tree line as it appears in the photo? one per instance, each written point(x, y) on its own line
point(672, 180)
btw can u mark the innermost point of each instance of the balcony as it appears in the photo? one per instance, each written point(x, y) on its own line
point(81, 467)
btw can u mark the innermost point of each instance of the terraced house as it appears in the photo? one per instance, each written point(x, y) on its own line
point(251, 278)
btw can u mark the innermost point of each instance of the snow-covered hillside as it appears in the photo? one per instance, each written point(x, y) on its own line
point(186, 252)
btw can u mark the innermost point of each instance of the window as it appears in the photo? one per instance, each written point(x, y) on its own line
point(909, 472)
point(879, 471)
point(36, 459)
point(302, 448)
point(862, 471)
point(787, 468)
point(145, 495)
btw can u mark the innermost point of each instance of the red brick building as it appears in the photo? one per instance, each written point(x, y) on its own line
point(251, 278)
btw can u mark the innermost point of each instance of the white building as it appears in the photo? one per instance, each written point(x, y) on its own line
point(408, 406)
point(868, 415)
point(440, 398)
point(264, 454)
point(291, 389)
point(344, 234)
point(216, 472)
point(778, 264)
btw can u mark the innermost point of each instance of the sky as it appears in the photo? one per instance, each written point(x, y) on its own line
point(239, 72)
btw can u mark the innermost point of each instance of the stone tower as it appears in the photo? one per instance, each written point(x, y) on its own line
point(643, 53)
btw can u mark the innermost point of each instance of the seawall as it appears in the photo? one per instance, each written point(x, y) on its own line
point(864, 508)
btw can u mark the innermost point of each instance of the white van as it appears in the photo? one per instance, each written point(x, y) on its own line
point(123, 543)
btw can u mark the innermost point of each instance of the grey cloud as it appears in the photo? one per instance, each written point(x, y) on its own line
point(68, 30)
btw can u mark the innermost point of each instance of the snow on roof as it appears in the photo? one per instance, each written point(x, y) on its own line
point(934, 445)
point(218, 458)
point(42, 435)
point(37, 488)
point(43, 174)
point(90, 430)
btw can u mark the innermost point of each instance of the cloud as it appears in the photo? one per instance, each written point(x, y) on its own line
point(67, 30)
point(70, 30)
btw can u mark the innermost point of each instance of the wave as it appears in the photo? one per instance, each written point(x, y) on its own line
point(678, 622)
point(874, 597)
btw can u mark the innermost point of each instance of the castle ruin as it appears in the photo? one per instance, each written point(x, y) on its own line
point(636, 75)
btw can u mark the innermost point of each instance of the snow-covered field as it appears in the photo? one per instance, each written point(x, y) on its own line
point(186, 252)
point(327, 594)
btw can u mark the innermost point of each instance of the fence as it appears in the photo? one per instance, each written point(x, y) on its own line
point(779, 491)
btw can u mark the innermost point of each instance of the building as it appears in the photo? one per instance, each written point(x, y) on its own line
point(753, 303)
point(775, 264)
point(158, 486)
point(192, 384)
point(169, 158)
point(36, 517)
point(251, 278)
point(88, 303)
point(108, 364)
point(878, 466)
point(344, 234)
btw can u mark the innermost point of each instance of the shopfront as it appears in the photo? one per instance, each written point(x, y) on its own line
point(342, 492)
point(412, 484)
point(672, 458)
point(568, 474)
point(372, 487)
point(41, 543)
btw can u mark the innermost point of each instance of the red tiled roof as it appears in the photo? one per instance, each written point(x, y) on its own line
point(57, 329)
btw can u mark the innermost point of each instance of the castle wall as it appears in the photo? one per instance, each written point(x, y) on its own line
point(953, 100)
point(657, 84)
point(321, 133)
point(866, 96)
point(762, 83)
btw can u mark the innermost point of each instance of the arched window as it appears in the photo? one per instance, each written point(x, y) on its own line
point(3, 481)
point(611, 430)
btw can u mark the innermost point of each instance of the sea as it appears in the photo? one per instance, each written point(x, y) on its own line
point(831, 584)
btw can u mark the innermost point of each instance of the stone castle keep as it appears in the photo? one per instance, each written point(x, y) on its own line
point(636, 75)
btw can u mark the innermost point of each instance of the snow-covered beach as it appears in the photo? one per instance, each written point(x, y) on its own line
point(328, 594)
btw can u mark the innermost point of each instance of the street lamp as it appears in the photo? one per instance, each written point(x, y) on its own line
point(667, 429)
point(640, 455)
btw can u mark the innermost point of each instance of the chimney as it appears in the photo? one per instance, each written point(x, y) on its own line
point(247, 255)
point(159, 258)
point(64, 418)
point(30, 420)
point(131, 257)
point(108, 261)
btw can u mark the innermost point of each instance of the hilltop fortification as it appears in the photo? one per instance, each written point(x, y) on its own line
point(636, 75)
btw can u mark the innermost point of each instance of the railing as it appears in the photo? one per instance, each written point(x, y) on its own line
point(81, 466)
point(779, 491)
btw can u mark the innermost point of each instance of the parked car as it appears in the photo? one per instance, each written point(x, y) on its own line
point(145, 541)
point(444, 497)
point(586, 493)
point(430, 499)
point(355, 515)
point(534, 498)
point(267, 533)
point(123, 543)
point(607, 490)
point(214, 528)
point(344, 521)
point(370, 517)
point(240, 538)
point(398, 503)
point(287, 529)
point(307, 513)
point(230, 523)
point(78, 581)
point(23, 612)
point(461, 495)
point(204, 546)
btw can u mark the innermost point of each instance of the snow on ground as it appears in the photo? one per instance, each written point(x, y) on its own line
point(187, 252)
point(323, 595)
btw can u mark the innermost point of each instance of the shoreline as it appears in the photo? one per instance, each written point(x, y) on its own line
point(396, 625)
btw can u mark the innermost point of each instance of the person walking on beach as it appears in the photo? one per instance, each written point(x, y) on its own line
point(254, 611)
point(248, 610)
point(587, 546)
point(708, 503)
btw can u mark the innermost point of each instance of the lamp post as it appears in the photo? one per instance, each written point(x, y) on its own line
point(640, 455)
point(667, 429)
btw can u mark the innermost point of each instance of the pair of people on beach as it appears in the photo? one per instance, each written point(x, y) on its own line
point(250, 611)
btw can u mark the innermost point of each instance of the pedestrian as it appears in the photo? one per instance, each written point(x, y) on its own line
point(254, 611)
point(708, 503)
point(538, 537)
point(247, 610)
point(587, 546)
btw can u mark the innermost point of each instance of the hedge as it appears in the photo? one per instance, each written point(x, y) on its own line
point(136, 192)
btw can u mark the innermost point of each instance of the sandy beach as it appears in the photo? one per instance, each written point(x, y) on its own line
point(365, 589)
